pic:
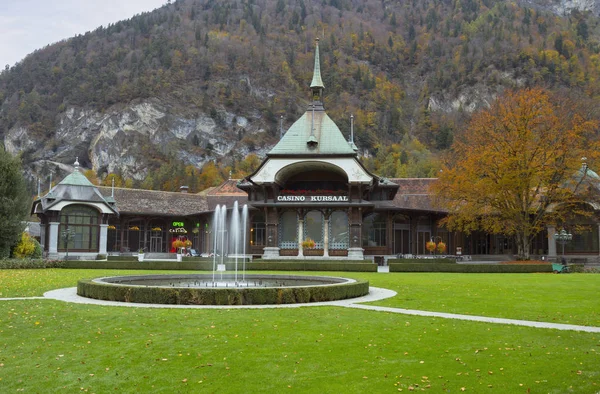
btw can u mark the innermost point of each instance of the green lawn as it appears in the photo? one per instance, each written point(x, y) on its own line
point(564, 298)
point(49, 346)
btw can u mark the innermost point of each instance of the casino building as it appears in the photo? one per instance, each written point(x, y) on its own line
point(310, 189)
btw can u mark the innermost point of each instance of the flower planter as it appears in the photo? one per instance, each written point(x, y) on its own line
point(288, 252)
point(338, 252)
point(313, 252)
point(140, 257)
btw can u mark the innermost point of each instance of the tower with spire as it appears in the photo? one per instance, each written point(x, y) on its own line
point(314, 133)
point(314, 168)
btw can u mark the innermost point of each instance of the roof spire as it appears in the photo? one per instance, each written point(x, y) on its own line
point(76, 164)
point(281, 127)
point(316, 86)
point(317, 82)
point(352, 144)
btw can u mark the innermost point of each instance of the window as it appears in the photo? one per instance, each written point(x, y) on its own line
point(258, 230)
point(313, 228)
point(288, 230)
point(374, 230)
point(338, 230)
point(79, 224)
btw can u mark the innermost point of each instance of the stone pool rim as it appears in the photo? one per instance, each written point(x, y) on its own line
point(332, 289)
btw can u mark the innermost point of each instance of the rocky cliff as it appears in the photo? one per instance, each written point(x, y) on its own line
point(564, 7)
point(125, 138)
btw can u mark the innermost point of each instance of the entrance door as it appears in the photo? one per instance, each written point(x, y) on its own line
point(480, 243)
point(401, 239)
point(156, 244)
point(503, 245)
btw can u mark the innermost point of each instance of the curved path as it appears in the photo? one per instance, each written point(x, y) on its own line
point(375, 294)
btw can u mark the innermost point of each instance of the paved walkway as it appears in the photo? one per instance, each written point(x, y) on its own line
point(375, 294)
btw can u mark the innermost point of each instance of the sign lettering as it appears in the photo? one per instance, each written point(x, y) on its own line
point(312, 198)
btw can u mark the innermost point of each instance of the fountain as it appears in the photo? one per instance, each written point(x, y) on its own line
point(235, 234)
point(219, 288)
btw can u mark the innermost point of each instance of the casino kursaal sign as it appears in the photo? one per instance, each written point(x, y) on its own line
point(311, 196)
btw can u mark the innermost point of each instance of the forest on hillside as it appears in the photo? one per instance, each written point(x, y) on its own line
point(411, 72)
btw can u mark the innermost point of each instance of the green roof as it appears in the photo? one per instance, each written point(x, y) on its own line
point(329, 139)
point(76, 178)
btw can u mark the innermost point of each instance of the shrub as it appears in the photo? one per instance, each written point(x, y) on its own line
point(27, 247)
point(37, 254)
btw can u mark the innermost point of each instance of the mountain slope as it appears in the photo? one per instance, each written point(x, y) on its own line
point(204, 80)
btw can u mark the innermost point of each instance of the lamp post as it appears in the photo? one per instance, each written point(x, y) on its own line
point(67, 236)
point(563, 237)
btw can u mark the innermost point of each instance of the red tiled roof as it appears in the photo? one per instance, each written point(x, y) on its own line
point(226, 194)
point(414, 194)
point(229, 188)
point(152, 202)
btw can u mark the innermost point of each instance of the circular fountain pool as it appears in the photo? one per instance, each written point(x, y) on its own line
point(226, 289)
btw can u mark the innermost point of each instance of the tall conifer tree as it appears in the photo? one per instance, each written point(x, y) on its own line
point(14, 202)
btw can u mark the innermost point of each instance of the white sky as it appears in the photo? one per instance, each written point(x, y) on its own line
point(27, 25)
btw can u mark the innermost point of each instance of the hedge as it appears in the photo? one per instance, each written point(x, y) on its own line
point(437, 260)
point(30, 264)
point(293, 265)
point(470, 268)
point(122, 258)
point(312, 266)
point(139, 265)
point(221, 296)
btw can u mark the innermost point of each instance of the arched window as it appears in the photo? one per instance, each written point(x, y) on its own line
point(288, 230)
point(79, 224)
point(313, 228)
point(338, 230)
point(374, 230)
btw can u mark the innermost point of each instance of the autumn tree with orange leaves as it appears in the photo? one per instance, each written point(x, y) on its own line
point(513, 170)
